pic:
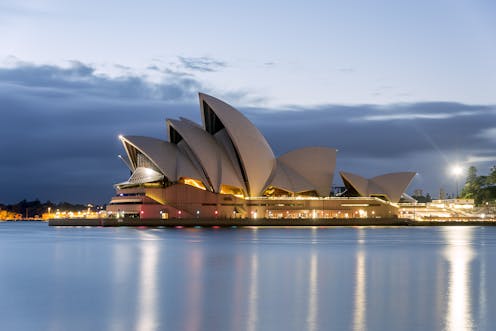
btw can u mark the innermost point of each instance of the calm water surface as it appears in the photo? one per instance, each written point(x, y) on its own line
point(361, 278)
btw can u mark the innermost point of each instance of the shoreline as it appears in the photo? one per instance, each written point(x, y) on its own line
point(225, 223)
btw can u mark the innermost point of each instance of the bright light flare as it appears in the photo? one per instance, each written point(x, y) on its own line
point(456, 170)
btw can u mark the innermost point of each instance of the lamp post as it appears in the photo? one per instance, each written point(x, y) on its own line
point(457, 171)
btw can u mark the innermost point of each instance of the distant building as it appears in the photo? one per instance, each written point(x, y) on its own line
point(9, 215)
point(442, 194)
point(226, 168)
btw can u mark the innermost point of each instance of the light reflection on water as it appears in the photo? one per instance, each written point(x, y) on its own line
point(121, 267)
point(459, 254)
point(360, 295)
point(147, 291)
point(194, 292)
point(313, 289)
point(247, 279)
point(253, 295)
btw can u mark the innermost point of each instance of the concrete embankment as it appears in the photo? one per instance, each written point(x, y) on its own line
point(222, 222)
point(227, 222)
point(479, 222)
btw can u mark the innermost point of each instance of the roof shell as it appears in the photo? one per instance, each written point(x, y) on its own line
point(211, 157)
point(392, 185)
point(256, 156)
point(164, 155)
point(359, 183)
point(315, 164)
point(289, 180)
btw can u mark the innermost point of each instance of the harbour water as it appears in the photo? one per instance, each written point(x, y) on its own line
point(340, 278)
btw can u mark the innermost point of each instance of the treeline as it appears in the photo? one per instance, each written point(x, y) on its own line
point(423, 198)
point(480, 188)
point(37, 208)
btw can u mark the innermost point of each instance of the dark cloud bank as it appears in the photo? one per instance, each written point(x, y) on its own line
point(59, 127)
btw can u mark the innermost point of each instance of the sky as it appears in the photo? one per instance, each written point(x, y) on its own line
point(395, 86)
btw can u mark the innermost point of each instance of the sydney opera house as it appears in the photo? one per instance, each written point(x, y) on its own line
point(225, 168)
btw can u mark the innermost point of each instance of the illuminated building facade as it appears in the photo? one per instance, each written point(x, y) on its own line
point(225, 168)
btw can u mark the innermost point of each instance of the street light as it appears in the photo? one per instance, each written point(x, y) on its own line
point(456, 171)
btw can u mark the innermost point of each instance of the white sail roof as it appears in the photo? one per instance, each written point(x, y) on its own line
point(256, 158)
point(315, 164)
point(165, 156)
point(211, 157)
point(394, 183)
point(289, 180)
point(391, 185)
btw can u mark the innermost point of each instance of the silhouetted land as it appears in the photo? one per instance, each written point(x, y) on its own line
point(36, 208)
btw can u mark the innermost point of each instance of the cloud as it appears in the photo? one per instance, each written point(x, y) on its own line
point(482, 158)
point(201, 64)
point(176, 73)
point(392, 130)
point(59, 126)
point(346, 70)
point(122, 67)
point(81, 79)
point(153, 67)
point(488, 133)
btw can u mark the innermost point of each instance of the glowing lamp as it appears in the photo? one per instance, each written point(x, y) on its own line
point(457, 170)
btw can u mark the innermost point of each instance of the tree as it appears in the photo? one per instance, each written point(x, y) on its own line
point(480, 188)
point(471, 186)
point(491, 179)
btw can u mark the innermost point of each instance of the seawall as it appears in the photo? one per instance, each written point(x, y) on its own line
point(230, 222)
